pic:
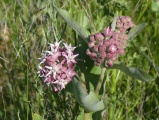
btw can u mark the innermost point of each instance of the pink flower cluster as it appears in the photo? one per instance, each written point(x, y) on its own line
point(105, 47)
point(56, 66)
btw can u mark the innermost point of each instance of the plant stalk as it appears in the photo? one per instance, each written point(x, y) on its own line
point(86, 115)
point(27, 89)
point(100, 81)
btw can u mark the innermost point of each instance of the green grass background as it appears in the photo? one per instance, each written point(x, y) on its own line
point(26, 28)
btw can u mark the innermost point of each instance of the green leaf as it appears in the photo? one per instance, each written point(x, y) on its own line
point(82, 19)
point(96, 70)
point(98, 115)
point(37, 117)
point(134, 31)
point(80, 30)
point(133, 72)
point(155, 5)
point(81, 115)
point(89, 102)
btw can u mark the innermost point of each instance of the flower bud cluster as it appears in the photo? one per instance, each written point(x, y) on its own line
point(105, 47)
point(124, 23)
point(56, 66)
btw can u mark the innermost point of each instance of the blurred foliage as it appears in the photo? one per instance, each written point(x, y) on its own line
point(26, 27)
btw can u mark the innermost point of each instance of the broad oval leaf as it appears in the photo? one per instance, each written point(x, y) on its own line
point(79, 29)
point(135, 30)
point(89, 102)
point(133, 72)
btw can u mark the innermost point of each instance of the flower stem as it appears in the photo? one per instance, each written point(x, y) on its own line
point(27, 89)
point(86, 115)
point(100, 81)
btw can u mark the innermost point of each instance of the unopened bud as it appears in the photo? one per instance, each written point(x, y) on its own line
point(107, 32)
point(99, 36)
point(92, 38)
point(121, 51)
point(109, 63)
point(91, 44)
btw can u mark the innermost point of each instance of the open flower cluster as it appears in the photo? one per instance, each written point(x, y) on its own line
point(105, 47)
point(56, 65)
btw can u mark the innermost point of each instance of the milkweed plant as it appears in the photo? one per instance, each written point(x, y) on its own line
point(58, 65)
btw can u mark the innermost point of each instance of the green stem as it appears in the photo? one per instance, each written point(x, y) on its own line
point(86, 115)
point(27, 92)
point(100, 81)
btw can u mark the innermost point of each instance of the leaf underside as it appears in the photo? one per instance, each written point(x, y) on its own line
point(89, 101)
point(135, 30)
point(133, 72)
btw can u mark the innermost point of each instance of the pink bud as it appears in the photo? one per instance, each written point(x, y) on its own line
point(102, 48)
point(100, 60)
point(107, 32)
point(115, 57)
point(97, 64)
point(93, 56)
point(131, 24)
point(109, 55)
point(121, 51)
point(122, 30)
point(92, 38)
point(91, 44)
point(55, 90)
point(128, 18)
point(125, 37)
point(95, 48)
point(109, 63)
point(119, 25)
point(99, 36)
point(100, 42)
point(118, 20)
point(102, 54)
point(126, 26)
point(106, 42)
point(88, 52)
point(115, 35)
point(123, 19)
